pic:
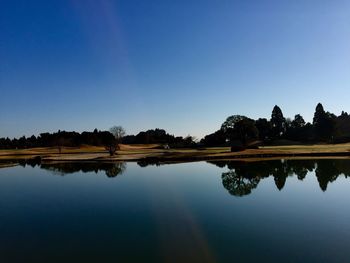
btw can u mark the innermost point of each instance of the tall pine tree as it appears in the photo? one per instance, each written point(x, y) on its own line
point(278, 123)
point(323, 124)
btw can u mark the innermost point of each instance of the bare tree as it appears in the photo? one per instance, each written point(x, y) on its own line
point(118, 133)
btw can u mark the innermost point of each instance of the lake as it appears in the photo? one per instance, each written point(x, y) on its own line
point(271, 211)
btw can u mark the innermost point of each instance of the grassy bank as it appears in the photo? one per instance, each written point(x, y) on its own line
point(152, 153)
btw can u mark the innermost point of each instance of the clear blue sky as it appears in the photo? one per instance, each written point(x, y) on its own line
point(179, 65)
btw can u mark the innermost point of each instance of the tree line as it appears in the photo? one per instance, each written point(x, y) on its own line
point(241, 131)
point(237, 131)
point(60, 139)
point(109, 139)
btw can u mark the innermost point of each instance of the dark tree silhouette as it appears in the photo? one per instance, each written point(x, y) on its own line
point(118, 132)
point(217, 138)
point(297, 131)
point(246, 130)
point(298, 122)
point(238, 128)
point(264, 128)
point(278, 123)
point(230, 123)
point(323, 123)
point(319, 115)
point(113, 145)
point(342, 128)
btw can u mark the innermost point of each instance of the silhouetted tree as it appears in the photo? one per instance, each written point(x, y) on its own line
point(319, 115)
point(296, 131)
point(217, 138)
point(323, 123)
point(112, 145)
point(230, 122)
point(342, 128)
point(237, 130)
point(241, 128)
point(264, 128)
point(298, 122)
point(118, 133)
point(278, 122)
point(246, 130)
point(189, 141)
point(155, 136)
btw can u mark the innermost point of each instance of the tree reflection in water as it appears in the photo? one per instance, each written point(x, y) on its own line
point(240, 179)
point(243, 177)
point(239, 185)
point(110, 169)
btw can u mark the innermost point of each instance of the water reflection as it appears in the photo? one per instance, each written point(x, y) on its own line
point(242, 177)
point(111, 169)
point(239, 185)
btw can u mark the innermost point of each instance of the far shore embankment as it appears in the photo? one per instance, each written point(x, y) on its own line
point(154, 154)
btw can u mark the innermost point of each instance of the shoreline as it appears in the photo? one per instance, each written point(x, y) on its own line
point(144, 153)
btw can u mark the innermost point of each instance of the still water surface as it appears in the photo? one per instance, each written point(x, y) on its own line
point(276, 211)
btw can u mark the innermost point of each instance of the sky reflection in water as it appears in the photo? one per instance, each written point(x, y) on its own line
point(196, 212)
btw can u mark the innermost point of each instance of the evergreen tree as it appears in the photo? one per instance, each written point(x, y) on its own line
point(323, 123)
point(298, 122)
point(278, 122)
point(319, 115)
point(264, 128)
